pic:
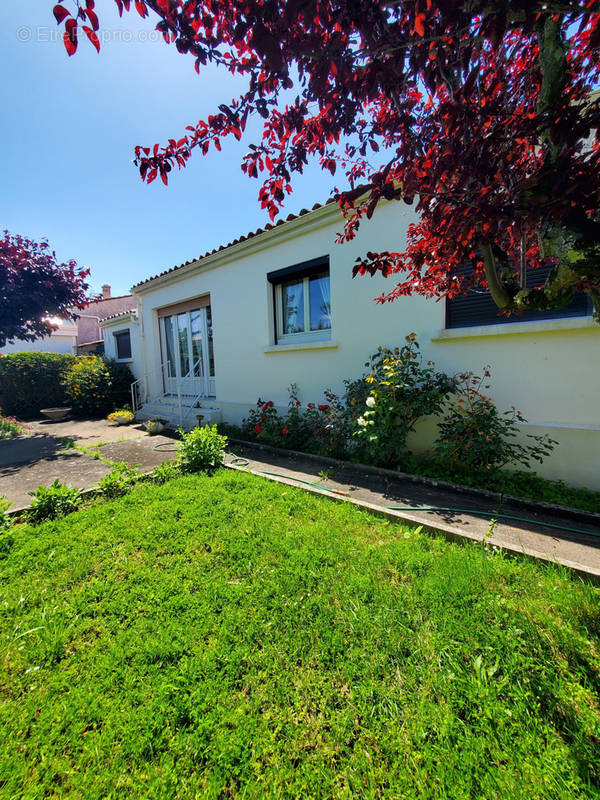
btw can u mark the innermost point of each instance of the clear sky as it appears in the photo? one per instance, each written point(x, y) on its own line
point(69, 127)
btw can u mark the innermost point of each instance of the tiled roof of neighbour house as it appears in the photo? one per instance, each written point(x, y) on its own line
point(120, 314)
point(249, 235)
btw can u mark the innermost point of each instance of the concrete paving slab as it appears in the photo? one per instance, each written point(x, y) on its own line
point(145, 453)
point(69, 466)
point(87, 431)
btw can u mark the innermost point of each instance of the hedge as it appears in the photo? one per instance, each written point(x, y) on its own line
point(31, 381)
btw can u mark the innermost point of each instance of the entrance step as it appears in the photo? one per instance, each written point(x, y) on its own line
point(165, 408)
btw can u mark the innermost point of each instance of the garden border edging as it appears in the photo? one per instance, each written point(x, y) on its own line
point(524, 502)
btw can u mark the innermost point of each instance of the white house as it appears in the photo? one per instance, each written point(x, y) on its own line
point(280, 306)
point(61, 340)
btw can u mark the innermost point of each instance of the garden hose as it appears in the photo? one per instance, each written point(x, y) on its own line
point(493, 516)
point(166, 447)
point(243, 462)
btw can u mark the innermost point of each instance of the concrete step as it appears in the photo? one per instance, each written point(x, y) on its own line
point(169, 411)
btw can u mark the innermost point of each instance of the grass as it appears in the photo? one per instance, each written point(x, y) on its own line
point(231, 637)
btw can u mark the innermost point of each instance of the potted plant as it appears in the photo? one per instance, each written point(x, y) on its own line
point(121, 417)
point(156, 425)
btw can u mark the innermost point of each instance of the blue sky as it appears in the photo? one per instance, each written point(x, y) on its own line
point(67, 137)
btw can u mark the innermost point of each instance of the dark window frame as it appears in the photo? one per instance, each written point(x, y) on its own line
point(477, 308)
point(117, 334)
point(299, 271)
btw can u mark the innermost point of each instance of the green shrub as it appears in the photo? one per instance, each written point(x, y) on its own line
point(6, 521)
point(120, 480)
point(31, 381)
point(402, 390)
point(202, 449)
point(165, 472)
point(52, 502)
point(95, 386)
point(10, 428)
point(475, 437)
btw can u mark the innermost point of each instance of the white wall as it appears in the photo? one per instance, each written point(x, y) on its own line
point(116, 326)
point(548, 373)
point(59, 342)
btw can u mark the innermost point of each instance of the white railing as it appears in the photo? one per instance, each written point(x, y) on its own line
point(138, 394)
point(140, 391)
point(189, 377)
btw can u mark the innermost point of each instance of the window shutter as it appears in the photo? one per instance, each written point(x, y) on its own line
point(478, 308)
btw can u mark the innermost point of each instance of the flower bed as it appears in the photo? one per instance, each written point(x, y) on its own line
point(10, 428)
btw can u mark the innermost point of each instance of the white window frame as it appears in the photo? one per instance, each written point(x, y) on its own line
point(306, 335)
point(117, 333)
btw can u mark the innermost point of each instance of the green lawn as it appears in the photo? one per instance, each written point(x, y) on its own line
point(231, 637)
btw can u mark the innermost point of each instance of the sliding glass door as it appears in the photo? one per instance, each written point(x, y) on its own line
point(187, 352)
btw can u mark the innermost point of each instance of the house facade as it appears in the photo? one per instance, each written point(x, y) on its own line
point(280, 306)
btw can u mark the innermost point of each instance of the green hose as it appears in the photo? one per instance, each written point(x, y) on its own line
point(243, 462)
point(493, 516)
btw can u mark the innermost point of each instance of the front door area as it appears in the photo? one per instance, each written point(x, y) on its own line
point(187, 352)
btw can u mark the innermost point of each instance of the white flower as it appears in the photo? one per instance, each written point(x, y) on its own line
point(361, 422)
point(371, 401)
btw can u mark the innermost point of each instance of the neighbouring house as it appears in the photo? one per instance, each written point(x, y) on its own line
point(90, 335)
point(83, 335)
point(280, 306)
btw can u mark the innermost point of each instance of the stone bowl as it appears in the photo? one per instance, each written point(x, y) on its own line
point(56, 414)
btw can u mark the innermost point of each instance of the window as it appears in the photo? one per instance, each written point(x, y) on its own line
point(478, 308)
point(302, 301)
point(123, 345)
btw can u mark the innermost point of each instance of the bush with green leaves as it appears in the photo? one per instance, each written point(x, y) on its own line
point(53, 502)
point(165, 472)
point(6, 521)
point(31, 381)
point(403, 389)
point(120, 480)
point(201, 449)
point(474, 437)
point(94, 385)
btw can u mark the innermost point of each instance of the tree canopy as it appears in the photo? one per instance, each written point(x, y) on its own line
point(35, 287)
point(481, 113)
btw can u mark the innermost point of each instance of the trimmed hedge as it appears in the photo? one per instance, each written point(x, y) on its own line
point(30, 381)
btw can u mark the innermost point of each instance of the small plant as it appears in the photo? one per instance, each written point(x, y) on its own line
point(6, 521)
point(475, 437)
point(53, 502)
point(120, 480)
point(403, 389)
point(264, 424)
point(202, 449)
point(122, 417)
point(165, 472)
point(10, 428)
point(154, 426)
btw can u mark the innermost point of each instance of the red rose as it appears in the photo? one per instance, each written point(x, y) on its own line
point(285, 431)
point(257, 428)
point(311, 405)
point(324, 408)
point(298, 403)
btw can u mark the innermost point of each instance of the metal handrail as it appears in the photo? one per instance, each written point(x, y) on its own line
point(140, 387)
point(180, 384)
